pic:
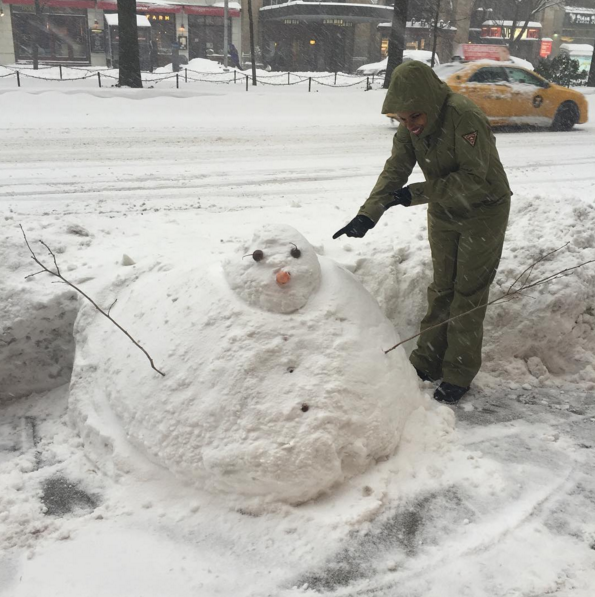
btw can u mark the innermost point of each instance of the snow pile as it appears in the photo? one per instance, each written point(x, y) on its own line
point(37, 347)
point(550, 330)
point(199, 65)
point(276, 385)
point(36, 316)
point(546, 335)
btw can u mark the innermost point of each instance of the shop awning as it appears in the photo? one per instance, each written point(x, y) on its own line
point(141, 20)
point(142, 6)
point(150, 7)
point(62, 3)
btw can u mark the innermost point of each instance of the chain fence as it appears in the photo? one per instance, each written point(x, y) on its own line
point(62, 74)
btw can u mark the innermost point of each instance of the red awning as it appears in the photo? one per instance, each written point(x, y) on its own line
point(63, 3)
point(140, 7)
point(209, 11)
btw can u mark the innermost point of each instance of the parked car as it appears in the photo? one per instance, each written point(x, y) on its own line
point(512, 95)
point(378, 69)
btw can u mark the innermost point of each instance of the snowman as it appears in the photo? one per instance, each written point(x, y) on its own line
point(277, 385)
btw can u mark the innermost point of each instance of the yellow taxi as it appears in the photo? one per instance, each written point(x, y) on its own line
point(512, 95)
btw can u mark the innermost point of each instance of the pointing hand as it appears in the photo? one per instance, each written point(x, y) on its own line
point(357, 228)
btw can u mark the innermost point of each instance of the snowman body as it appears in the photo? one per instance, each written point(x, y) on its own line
point(277, 384)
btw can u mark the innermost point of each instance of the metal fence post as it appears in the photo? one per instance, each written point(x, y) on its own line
point(335, 77)
point(235, 76)
point(288, 78)
point(60, 67)
point(177, 80)
point(18, 78)
point(309, 84)
point(246, 82)
point(99, 78)
point(185, 75)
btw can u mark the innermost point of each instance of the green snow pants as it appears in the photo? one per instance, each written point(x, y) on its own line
point(466, 251)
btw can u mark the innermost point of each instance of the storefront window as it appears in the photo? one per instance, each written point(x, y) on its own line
point(206, 36)
point(163, 31)
point(384, 47)
point(61, 33)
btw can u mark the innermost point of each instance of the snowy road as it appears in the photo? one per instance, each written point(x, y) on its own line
point(503, 507)
point(174, 161)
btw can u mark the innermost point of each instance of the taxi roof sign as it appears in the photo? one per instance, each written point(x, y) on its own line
point(485, 52)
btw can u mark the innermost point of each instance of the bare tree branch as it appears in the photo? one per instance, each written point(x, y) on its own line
point(111, 306)
point(65, 281)
point(53, 257)
point(35, 274)
point(508, 295)
point(530, 268)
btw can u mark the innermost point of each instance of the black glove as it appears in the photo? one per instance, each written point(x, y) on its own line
point(400, 197)
point(356, 228)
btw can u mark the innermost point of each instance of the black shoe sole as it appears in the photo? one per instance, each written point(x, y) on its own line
point(445, 398)
point(423, 375)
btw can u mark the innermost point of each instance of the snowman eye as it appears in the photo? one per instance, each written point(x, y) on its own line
point(258, 255)
point(295, 252)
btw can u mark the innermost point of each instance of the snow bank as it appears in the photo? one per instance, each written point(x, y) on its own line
point(277, 384)
point(36, 316)
point(199, 65)
point(37, 348)
point(546, 336)
point(550, 331)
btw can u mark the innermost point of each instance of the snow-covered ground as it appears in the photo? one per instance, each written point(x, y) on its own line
point(495, 497)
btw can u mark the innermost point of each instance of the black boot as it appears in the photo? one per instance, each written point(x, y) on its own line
point(449, 393)
point(422, 375)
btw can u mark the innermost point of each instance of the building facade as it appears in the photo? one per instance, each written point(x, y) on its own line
point(331, 35)
point(420, 36)
point(81, 32)
point(299, 35)
point(321, 36)
point(547, 32)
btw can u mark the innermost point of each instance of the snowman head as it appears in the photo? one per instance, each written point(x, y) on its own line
point(278, 270)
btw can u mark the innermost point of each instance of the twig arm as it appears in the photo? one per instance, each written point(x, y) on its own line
point(57, 274)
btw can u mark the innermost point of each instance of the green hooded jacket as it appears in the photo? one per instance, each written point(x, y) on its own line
point(456, 151)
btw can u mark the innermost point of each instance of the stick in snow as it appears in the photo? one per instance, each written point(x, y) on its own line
point(59, 275)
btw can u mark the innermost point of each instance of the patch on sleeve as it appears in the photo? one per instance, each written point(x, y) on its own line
point(471, 138)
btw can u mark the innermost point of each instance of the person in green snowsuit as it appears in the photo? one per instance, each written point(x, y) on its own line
point(468, 199)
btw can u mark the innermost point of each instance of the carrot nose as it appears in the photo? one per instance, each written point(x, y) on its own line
point(282, 277)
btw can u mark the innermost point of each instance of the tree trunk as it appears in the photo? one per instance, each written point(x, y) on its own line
point(252, 53)
point(396, 41)
point(128, 45)
point(34, 40)
point(591, 79)
point(512, 40)
point(517, 40)
point(435, 40)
